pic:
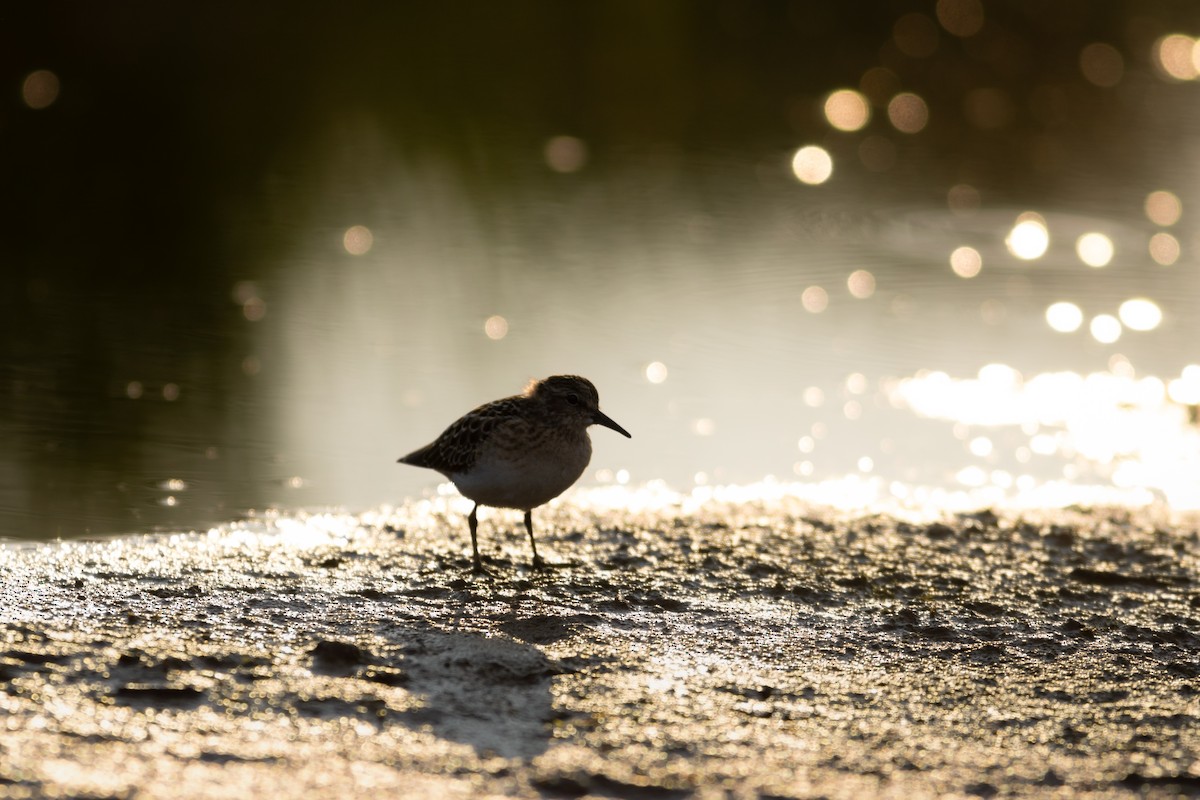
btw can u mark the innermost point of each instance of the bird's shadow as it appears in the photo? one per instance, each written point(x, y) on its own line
point(490, 692)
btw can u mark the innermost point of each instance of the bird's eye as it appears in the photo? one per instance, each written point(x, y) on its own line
point(573, 399)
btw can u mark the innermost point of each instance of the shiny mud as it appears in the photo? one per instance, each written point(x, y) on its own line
point(740, 650)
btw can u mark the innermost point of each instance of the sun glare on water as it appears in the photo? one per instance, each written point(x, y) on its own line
point(1049, 440)
point(1029, 238)
point(1134, 435)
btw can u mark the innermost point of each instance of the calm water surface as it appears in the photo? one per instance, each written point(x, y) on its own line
point(366, 288)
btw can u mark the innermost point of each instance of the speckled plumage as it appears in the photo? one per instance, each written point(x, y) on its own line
point(519, 452)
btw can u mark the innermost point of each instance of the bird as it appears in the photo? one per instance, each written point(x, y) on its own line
point(519, 452)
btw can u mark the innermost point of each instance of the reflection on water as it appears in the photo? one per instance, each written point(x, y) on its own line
point(1105, 428)
point(908, 256)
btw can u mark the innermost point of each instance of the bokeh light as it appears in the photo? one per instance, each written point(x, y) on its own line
point(963, 199)
point(861, 284)
point(357, 240)
point(496, 327)
point(243, 291)
point(992, 311)
point(981, 446)
point(960, 18)
point(1121, 366)
point(565, 154)
point(1064, 317)
point(814, 299)
point(812, 165)
point(254, 309)
point(1094, 249)
point(1163, 208)
point(988, 108)
point(1105, 328)
point(40, 89)
point(1000, 376)
point(847, 110)
point(1140, 314)
point(972, 476)
point(966, 262)
point(879, 84)
point(908, 113)
point(915, 35)
point(1029, 239)
point(1043, 444)
point(1164, 248)
point(1173, 56)
point(656, 372)
point(1186, 388)
point(1102, 64)
point(704, 427)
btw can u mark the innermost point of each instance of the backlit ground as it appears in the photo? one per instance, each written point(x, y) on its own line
point(756, 649)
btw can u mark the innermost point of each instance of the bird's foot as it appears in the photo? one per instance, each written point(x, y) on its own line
point(477, 568)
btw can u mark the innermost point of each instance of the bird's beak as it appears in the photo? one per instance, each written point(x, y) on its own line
point(600, 418)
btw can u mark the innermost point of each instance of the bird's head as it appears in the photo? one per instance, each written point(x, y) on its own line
point(573, 397)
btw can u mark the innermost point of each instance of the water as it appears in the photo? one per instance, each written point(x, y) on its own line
point(258, 286)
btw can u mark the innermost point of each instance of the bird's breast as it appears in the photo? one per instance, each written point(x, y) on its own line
point(525, 472)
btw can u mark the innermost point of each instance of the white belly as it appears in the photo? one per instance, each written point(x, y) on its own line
point(523, 482)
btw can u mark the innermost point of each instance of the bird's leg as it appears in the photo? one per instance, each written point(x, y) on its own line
point(537, 560)
point(473, 521)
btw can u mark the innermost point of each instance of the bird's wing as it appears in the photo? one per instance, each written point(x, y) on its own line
point(457, 449)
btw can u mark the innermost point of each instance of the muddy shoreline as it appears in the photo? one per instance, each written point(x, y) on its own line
point(752, 650)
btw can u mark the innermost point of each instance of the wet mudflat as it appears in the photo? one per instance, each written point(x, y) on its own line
point(741, 650)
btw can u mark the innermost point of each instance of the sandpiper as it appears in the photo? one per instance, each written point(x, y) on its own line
point(519, 452)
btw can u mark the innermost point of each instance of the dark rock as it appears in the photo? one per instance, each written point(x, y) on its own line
point(982, 789)
point(1102, 577)
point(151, 693)
point(329, 654)
point(388, 676)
